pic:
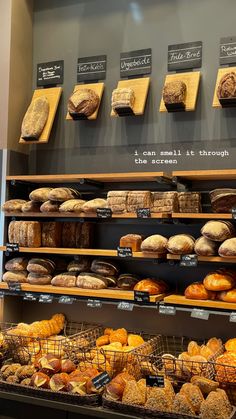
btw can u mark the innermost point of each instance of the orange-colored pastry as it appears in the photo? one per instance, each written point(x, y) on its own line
point(119, 335)
point(193, 348)
point(215, 345)
point(135, 340)
point(230, 345)
point(151, 285)
point(108, 331)
point(197, 291)
point(102, 340)
point(206, 352)
point(218, 281)
point(227, 296)
point(226, 367)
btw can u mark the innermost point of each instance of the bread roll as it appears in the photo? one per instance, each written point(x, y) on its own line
point(49, 206)
point(83, 101)
point(66, 279)
point(91, 206)
point(63, 194)
point(182, 405)
point(40, 194)
point(16, 264)
point(131, 240)
point(228, 248)
point(217, 281)
point(205, 247)
point(72, 205)
point(154, 243)
point(41, 266)
point(82, 264)
point(215, 345)
point(104, 268)
point(31, 206)
point(227, 296)
point(15, 276)
point(215, 406)
point(218, 230)
point(153, 286)
point(181, 244)
point(13, 205)
point(91, 281)
point(39, 279)
point(194, 395)
point(197, 291)
point(51, 234)
point(205, 385)
point(35, 118)
point(230, 345)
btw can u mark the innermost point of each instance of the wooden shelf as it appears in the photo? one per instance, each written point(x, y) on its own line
point(202, 215)
point(114, 294)
point(99, 177)
point(181, 300)
point(83, 252)
point(128, 215)
point(212, 259)
point(227, 174)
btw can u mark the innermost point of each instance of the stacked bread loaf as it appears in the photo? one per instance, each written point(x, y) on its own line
point(122, 98)
point(164, 202)
point(223, 200)
point(174, 92)
point(189, 202)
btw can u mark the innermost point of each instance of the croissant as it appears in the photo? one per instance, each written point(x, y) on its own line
point(40, 329)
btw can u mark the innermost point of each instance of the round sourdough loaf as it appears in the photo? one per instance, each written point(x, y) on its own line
point(81, 264)
point(104, 267)
point(83, 102)
point(155, 243)
point(197, 291)
point(181, 244)
point(50, 206)
point(41, 266)
point(228, 248)
point(31, 206)
point(15, 276)
point(91, 206)
point(228, 297)
point(16, 264)
point(153, 286)
point(227, 86)
point(91, 281)
point(40, 194)
point(39, 279)
point(14, 205)
point(63, 194)
point(218, 281)
point(205, 247)
point(72, 205)
point(174, 92)
point(218, 230)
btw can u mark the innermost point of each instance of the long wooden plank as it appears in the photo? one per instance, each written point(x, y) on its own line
point(202, 215)
point(83, 252)
point(181, 300)
point(216, 259)
point(115, 294)
point(226, 174)
point(102, 177)
point(127, 215)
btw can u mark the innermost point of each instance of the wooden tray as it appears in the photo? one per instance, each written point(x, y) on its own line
point(221, 73)
point(140, 88)
point(98, 88)
point(181, 300)
point(53, 95)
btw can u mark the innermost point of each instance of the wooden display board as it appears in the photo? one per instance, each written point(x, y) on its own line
point(221, 72)
point(140, 88)
point(98, 88)
point(191, 79)
point(53, 95)
point(182, 300)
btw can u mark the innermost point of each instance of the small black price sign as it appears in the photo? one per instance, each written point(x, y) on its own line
point(141, 297)
point(104, 212)
point(184, 56)
point(64, 299)
point(233, 213)
point(45, 298)
point(136, 63)
point(124, 252)
point(94, 303)
point(12, 247)
point(143, 213)
point(101, 380)
point(155, 381)
point(124, 305)
point(50, 74)
point(14, 286)
point(91, 68)
point(188, 260)
point(29, 297)
point(228, 50)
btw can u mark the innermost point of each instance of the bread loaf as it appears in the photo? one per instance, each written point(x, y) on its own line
point(228, 248)
point(63, 194)
point(25, 233)
point(40, 194)
point(104, 267)
point(13, 205)
point(227, 296)
point(218, 230)
point(51, 234)
point(66, 279)
point(15, 276)
point(205, 385)
point(194, 395)
point(69, 234)
point(72, 205)
point(122, 98)
point(82, 264)
point(39, 279)
point(138, 199)
point(14, 232)
point(84, 235)
point(131, 240)
point(91, 281)
point(91, 206)
point(230, 345)
point(83, 102)
point(16, 264)
point(197, 291)
point(205, 247)
point(227, 86)
point(181, 244)
point(127, 281)
point(31, 206)
point(174, 92)
point(164, 202)
point(40, 329)
point(218, 281)
point(223, 200)
point(117, 201)
point(34, 234)
point(153, 286)
point(35, 118)
point(182, 405)
point(41, 266)
point(155, 243)
point(49, 206)
point(215, 407)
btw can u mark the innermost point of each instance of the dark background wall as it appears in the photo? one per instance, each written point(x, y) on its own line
point(77, 28)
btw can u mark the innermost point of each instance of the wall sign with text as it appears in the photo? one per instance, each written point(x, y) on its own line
point(50, 74)
point(136, 63)
point(91, 68)
point(228, 50)
point(184, 56)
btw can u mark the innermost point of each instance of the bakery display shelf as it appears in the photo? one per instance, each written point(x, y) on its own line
point(213, 259)
point(227, 174)
point(111, 294)
point(83, 252)
point(128, 215)
point(202, 215)
point(183, 301)
point(97, 177)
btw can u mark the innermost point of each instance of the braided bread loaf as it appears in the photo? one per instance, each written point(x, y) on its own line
point(40, 329)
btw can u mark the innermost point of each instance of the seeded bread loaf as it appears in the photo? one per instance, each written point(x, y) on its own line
point(35, 118)
point(13, 205)
point(51, 234)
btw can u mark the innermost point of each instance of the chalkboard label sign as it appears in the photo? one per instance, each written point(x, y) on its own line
point(185, 56)
point(50, 74)
point(91, 68)
point(136, 63)
point(14, 286)
point(141, 297)
point(64, 299)
point(233, 213)
point(228, 50)
point(104, 212)
point(168, 310)
point(29, 297)
point(124, 252)
point(46, 298)
point(12, 247)
point(155, 380)
point(101, 380)
point(124, 305)
point(143, 213)
point(188, 260)
point(94, 303)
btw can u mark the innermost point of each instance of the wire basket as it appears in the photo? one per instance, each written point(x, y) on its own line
point(112, 360)
point(27, 349)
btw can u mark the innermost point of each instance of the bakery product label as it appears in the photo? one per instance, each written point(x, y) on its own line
point(124, 252)
point(45, 298)
point(143, 212)
point(233, 213)
point(198, 313)
point(155, 381)
point(184, 56)
point(232, 317)
point(14, 286)
point(50, 74)
point(92, 68)
point(101, 380)
point(188, 260)
point(104, 212)
point(29, 297)
point(64, 299)
point(136, 63)
point(123, 305)
point(12, 247)
point(168, 310)
point(94, 303)
point(228, 50)
point(141, 297)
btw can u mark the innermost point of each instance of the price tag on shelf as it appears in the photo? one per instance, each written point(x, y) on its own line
point(64, 299)
point(232, 317)
point(168, 310)
point(12, 247)
point(198, 313)
point(28, 296)
point(104, 212)
point(94, 303)
point(101, 380)
point(14, 286)
point(143, 213)
point(155, 380)
point(124, 252)
point(123, 305)
point(233, 213)
point(45, 298)
point(1, 295)
point(188, 260)
point(141, 297)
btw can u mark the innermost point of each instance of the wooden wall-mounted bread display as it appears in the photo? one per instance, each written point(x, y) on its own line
point(39, 118)
point(129, 98)
point(225, 89)
point(85, 101)
point(180, 92)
